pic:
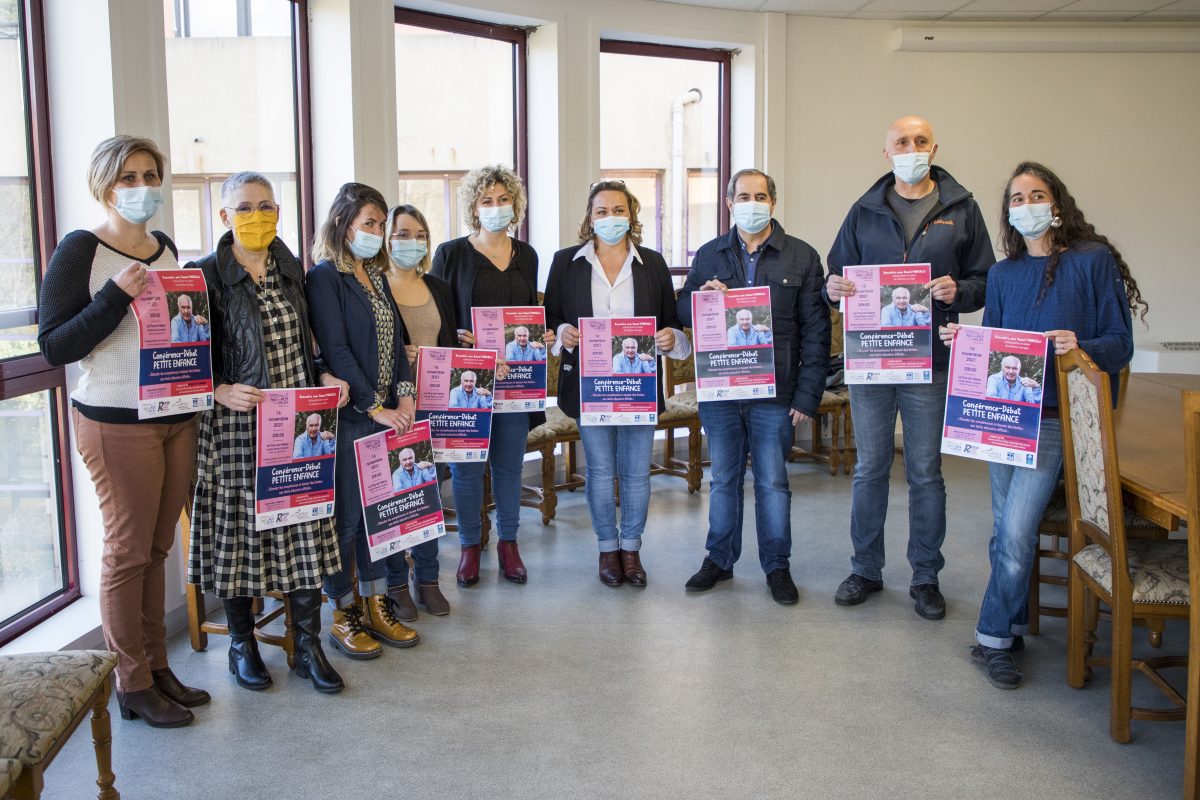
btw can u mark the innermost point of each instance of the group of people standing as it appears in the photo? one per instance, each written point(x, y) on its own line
point(356, 320)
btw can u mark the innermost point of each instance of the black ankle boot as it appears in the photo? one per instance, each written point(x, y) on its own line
point(245, 663)
point(310, 658)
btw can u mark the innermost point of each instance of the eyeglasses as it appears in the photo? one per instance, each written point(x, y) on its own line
point(266, 206)
point(404, 236)
point(613, 183)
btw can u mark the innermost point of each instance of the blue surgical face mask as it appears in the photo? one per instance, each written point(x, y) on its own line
point(1032, 219)
point(365, 245)
point(751, 217)
point(611, 229)
point(496, 218)
point(138, 203)
point(911, 167)
point(407, 253)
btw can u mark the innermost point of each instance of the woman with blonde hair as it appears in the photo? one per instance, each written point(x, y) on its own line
point(490, 267)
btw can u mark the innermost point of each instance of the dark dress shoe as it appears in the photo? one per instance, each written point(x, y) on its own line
point(186, 696)
point(783, 588)
point(930, 603)
point(631, 565)
point(246, 665)
point(707, 576)
point(511, 566)
point(155, 708)
point(610, 569)
point(468, 566)
point(855, 589)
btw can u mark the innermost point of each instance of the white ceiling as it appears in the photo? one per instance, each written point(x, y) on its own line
point(976, 10)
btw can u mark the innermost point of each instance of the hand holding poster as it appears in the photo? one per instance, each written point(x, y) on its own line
point(397, 481)
point(455, 393)
point(994, 396)
point(515, 333)
point(297, 441)
point(888, 324)
point(175, 369)
point(735, 351)
point(618, 371)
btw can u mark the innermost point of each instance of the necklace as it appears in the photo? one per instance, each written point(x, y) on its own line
point(504, 254)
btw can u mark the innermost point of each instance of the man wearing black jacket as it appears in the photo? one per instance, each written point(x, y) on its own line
point(916, 213)
point(757, 252)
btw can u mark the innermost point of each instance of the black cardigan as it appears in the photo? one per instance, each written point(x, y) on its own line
point(569, 297)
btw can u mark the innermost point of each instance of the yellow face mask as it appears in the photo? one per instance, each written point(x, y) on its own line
point(255, 230)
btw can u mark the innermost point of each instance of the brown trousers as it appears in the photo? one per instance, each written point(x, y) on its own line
point(142, 474)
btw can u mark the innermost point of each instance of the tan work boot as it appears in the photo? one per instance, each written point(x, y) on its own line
point(380, 621)
point(348, 634)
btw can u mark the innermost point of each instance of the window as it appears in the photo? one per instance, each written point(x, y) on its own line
point(37, 559)
point(237, 96)
point(469, 116)
point(673, 153)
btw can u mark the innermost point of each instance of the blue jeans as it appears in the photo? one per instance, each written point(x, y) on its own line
point(348, 521)
point(425, 565)
point(762, 430)
point(1019, 498)
point(506, 455)
point(922, 410)
point(622, 451)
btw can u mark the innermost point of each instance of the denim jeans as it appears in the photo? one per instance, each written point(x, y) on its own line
point(506, 455)
point(1019, 499)
point(761, 429)
point(622, 451)
point(922, 411)
point(348, 521)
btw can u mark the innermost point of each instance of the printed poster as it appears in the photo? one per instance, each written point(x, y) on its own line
point(515, 333)
point(618, 371)
point(175, 368)
point(734, 344)
point(455, 393)
point(297, 440)
point(994, 396)
point(888, 324)
point(397, 481)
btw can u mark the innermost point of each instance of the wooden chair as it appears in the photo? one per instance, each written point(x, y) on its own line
point(682, 411)
point(1144, 578)
point(44, 697)
point(835, 405)
point(1191, 435)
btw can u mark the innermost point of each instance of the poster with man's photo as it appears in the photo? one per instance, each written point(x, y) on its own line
point(175, 367)
point(455, 389)
point(888, 324)
point(515, 333)
point(397, 481)
point(735, 345)
point(296, 433)
point(994, 396)
point(618, 371)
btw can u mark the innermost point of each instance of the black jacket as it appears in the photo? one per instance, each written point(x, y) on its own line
point(569, 297)
point(799, 315)
point(238, 354)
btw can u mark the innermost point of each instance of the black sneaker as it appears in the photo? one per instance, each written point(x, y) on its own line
point(1001, 669)
point(707, 576)
point(855, 589)
point(930, 603)
point(783, 588)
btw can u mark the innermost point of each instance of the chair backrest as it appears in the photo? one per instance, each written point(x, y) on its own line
point(677, 372)
point(1090, 461)
point(1191, 447)
point(837, 338)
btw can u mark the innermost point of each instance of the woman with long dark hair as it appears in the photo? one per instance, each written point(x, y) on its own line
point(1062, 277)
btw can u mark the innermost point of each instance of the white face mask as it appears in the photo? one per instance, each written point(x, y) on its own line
point(138, 203)
point(911, 167)
point(1032, 219)
point(496, 218)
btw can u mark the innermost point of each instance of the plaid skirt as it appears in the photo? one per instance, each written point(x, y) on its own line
point(228, 557)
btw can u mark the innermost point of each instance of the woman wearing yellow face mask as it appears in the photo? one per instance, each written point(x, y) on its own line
point(260, 340)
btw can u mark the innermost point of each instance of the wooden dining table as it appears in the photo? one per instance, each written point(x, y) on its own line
point(1154, 477)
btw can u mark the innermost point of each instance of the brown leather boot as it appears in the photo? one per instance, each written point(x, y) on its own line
point(511, 566)
point(468, 566)
point(610, 569)
point(348, 634)
point(380, 621)
point(631, 565)
point(158, 710)
point(430, 596)
point(403, 603)
point(173, 689)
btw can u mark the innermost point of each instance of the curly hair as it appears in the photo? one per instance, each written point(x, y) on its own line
point(330, 243)
point(477, 182)
point(396, 211)
point(1072, 229)
point(586, 232)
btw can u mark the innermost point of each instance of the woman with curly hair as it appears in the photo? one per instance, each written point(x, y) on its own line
point(490, 267)
point(1062, 277)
